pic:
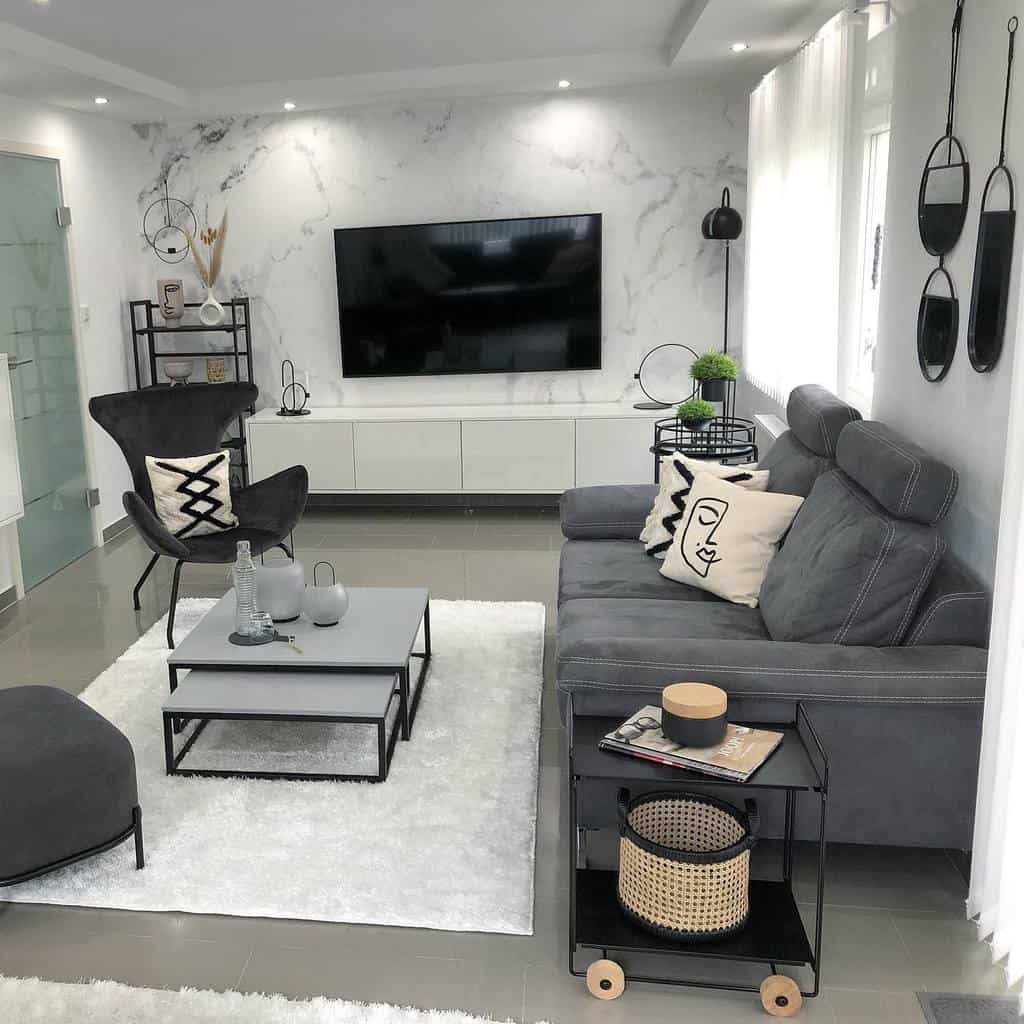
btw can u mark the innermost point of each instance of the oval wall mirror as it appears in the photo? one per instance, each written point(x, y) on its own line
point(943, 197)
point(938, 323)
point(993, 259)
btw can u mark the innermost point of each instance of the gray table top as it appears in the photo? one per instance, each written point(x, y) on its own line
point(312, 694)
point(378, 632)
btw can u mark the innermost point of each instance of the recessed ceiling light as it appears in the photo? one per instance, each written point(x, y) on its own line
point(564, 83)
point(40, 3)
point(101, 100)
point(739, 47)
point(289, 105)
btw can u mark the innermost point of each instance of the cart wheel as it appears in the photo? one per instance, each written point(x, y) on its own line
point(780, 996)
point(605, 979)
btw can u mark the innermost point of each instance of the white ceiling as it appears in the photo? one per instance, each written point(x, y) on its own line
point(155, 59)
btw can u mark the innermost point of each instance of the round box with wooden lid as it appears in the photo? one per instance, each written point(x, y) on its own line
point(693, 714)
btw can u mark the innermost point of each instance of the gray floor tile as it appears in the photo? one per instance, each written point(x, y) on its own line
point(860, 1007)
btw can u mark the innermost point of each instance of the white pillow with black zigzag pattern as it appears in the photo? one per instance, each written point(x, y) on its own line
point(192, 496)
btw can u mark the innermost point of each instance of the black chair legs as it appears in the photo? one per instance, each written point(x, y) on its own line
point(140, 853)
point(174, 604)
point(142, 579)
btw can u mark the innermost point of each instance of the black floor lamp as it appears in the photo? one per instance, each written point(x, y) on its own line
point(723, 224)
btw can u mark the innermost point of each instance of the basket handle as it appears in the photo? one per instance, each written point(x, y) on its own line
point(623, 801)
point(754, 818)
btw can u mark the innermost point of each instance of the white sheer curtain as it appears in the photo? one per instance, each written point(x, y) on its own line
point(799, 130)
point(997, 871)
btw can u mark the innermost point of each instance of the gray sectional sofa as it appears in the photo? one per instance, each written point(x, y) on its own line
point(893, 676)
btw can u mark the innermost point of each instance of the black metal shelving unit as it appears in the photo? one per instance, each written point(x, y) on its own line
point(774, 935)
point(147, 353)
point(727, 438)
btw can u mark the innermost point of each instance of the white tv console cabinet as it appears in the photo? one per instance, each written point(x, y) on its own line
point(470, 449)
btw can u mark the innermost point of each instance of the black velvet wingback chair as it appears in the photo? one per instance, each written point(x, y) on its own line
point(177, 422)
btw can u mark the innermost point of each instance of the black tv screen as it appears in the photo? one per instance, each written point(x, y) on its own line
point(493, 296)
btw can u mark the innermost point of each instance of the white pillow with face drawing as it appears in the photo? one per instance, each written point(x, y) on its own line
point(726, 537)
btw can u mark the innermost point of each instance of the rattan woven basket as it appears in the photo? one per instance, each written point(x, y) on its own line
point(684, 864)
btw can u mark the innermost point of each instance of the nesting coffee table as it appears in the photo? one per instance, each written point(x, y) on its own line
point(352, 673)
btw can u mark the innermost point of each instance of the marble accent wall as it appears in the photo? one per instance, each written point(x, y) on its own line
point(651, 159)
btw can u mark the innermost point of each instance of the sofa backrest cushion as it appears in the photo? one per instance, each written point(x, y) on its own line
point(817, 417)
point(904, 479)
point(849, 573)
point(954, 610)
point(792, 468)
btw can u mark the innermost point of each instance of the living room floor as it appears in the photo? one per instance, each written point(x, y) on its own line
point(894, 921)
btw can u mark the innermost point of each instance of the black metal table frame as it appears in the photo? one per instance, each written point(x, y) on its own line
point(385, 746)
point(409, 702)
point(577, 853)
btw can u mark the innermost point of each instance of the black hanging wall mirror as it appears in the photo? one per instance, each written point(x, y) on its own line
point(946, 181)
point(938, 323)
point(994, 256)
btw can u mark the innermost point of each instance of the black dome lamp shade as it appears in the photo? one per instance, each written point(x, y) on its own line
point(723, 224)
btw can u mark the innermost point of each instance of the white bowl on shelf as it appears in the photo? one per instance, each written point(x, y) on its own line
point(178, 371)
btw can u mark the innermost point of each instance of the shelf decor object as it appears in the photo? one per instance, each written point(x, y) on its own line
point(713, 371)
point(280, 583)
point(693, 714)
point(211, 312)
point(941, 212)
point(695, 414)
point(723, 224)
point(151, 358)
point(169, 224)
point(994, 256)
point(665, 371)
point(171, 296)
point(294, 395)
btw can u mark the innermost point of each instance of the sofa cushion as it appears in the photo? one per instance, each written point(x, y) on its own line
point(617, 568)
point(792, 468)
point(904, 479)
point(726, 538)
point(954, 610)
point(677, 474)
point(607, 512)
point(817, 417)
point(849, 573)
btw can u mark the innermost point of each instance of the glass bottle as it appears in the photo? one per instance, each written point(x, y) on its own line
point(244, 573)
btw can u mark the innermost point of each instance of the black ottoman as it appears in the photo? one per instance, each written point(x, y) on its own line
point(67, 784)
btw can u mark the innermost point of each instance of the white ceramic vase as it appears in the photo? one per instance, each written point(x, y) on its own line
point(211, 312)
point(279, 586)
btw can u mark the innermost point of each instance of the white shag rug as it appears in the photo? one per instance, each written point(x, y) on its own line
point(447, 842)
point(108, 1002)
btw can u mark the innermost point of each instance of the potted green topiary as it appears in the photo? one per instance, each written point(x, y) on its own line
point(696, 414)
point(713, 370)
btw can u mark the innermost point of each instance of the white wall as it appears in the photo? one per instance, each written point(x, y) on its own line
point(652, 159)
point(962, 419)
point(93, 154)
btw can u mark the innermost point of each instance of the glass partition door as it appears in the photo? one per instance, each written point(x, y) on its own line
point(36, 332)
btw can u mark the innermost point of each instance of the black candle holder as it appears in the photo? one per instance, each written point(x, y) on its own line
point(293, 395)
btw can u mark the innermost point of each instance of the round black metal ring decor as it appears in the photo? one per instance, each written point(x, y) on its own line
point(293, 395)
point(938, 324)
point(647, 385)
point(167, 224)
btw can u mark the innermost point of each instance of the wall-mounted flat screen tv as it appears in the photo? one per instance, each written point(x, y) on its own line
point(492, 296)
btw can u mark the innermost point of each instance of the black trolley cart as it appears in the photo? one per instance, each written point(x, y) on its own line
point(774, 935)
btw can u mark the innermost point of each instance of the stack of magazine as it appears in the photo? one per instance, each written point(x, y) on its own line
point(736, 758)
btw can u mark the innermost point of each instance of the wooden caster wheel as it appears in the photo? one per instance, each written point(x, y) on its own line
point(605, 979)
point(780, 996)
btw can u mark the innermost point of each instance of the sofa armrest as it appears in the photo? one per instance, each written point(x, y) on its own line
point(607, 513)
point(157, 537)
point(637, 667)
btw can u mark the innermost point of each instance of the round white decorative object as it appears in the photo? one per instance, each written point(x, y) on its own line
point(211, 312)
point(178, 371)
point(279, 586)
point(326, 605)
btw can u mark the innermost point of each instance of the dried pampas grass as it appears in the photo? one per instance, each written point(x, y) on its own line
point(213, 238)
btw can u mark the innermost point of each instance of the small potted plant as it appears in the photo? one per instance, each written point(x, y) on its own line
point(713, 370)
point(695, 414)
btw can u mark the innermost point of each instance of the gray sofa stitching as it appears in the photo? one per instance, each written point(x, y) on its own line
point(966, 595)
point(954, 480)
point(775, 670)
point(844, 630)
point(597, 526)
point(866, 698)
point(938, 550)
point(915, 462)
